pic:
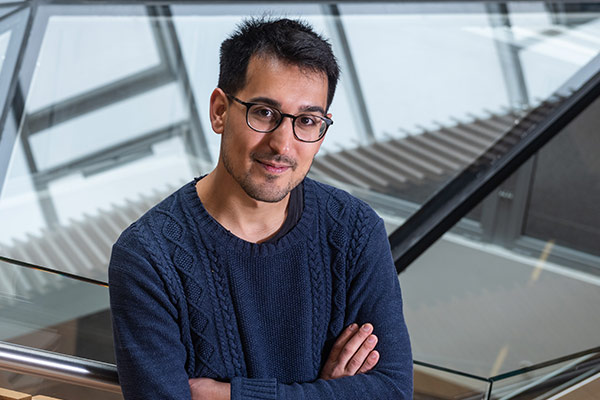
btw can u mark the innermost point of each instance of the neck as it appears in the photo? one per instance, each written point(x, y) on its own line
point(251, 220)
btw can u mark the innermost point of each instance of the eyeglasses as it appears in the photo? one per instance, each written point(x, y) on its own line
point(262, 118)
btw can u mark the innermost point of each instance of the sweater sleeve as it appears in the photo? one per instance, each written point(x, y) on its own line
point(373, 296)
point(150, 355)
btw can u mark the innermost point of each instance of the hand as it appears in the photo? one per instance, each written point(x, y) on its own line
point(209, 389)
point(352, 353)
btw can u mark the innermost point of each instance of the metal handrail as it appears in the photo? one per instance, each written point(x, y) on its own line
point(60, 367)
point(451, 203)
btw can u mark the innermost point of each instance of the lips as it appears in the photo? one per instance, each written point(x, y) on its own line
point(274, 168)
point(274, 163)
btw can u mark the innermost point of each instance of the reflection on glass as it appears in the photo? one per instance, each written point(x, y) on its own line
point(45, 387)
point(570, 377)
point(433, 383)
point(83, 53)
point(52, 312)
point(525, 291)
point(4, 40)
point(116, 114)
point(116, 119)
point(480, 309)
point(109, 126)
point(92, 210)
point(442, 84)
point(436, 67)
point(563, 207)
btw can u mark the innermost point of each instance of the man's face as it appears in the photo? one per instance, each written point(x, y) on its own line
point(267, 166)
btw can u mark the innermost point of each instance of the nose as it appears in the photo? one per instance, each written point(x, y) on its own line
point(281, 139)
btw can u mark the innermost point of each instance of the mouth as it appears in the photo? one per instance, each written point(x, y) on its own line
point(274, 167)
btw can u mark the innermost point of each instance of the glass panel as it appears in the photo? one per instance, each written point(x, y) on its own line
point(6, 9)
point(109, 126)
point(213, 23)
point(418, 41)
point(563, 206)
point(115, 117)
point(13, 22)
point(433, 383)
point(37, 309)
point(442, 82)
point(79, 54)
point(91, 209)
point(4, 40)
point(552, 382)
point(44, 387)
point(554, 44)
point(502, 302)
point(484, 310)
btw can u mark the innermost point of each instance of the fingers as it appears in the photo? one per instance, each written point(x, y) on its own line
point(370, 362)
point(360, 356)
point(352, 353)
point(353, 345)
point(342, 340)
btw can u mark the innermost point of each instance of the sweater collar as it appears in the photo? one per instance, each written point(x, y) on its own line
point(222, 237)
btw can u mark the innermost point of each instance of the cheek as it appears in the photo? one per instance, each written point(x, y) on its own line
point(306, 157)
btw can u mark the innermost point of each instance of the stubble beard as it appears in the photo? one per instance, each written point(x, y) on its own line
point(269, 193)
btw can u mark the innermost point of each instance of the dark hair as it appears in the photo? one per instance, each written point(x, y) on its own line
point(288, 40)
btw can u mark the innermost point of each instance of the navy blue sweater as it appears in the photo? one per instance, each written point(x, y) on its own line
point(190, 299)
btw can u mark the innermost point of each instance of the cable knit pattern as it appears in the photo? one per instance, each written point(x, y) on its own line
point(337, 239)
point(176, 292)
point(316, 284)
point(226, 309)
point(190, 299)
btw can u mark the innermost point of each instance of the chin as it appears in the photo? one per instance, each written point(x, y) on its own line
point(267, 192)
point(267, 198)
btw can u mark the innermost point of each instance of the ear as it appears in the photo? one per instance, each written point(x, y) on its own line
point(219, 105)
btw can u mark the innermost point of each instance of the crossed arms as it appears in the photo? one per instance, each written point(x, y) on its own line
point(353, 353)
point(151, 357)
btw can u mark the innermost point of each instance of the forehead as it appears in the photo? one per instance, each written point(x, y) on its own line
point(286, 83)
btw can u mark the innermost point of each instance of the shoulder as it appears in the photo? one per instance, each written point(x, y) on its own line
point(144, 251)
point(342, 207)
point(170, 208)
point(146, 237)
point(347, 221)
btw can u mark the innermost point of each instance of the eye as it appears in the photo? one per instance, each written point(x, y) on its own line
point(263, 112)
point(308, 121)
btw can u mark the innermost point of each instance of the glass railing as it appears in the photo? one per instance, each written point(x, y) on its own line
point(109, 115)
point(38, 311)
point(524, 291)
point(54, 312)
point(574, 375)
point(69, 321)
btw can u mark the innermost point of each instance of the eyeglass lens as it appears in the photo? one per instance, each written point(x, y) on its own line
point(265, 119)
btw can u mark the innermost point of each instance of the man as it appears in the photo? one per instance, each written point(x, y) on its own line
point(254, 282)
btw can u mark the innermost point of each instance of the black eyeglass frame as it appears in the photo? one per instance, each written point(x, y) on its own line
point(328, 121)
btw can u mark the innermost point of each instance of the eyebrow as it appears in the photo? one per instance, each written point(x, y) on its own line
point(270, 102)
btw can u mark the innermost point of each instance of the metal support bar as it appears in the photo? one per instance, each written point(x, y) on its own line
point(92, 100)
point(30, 45)
point(546, 377)
point(9, 83)
point(60, 367)
point(508, 54)
point(114, 155)
point(356, 98)
point(18, 23)
point(25, 264)
point(171, 53)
